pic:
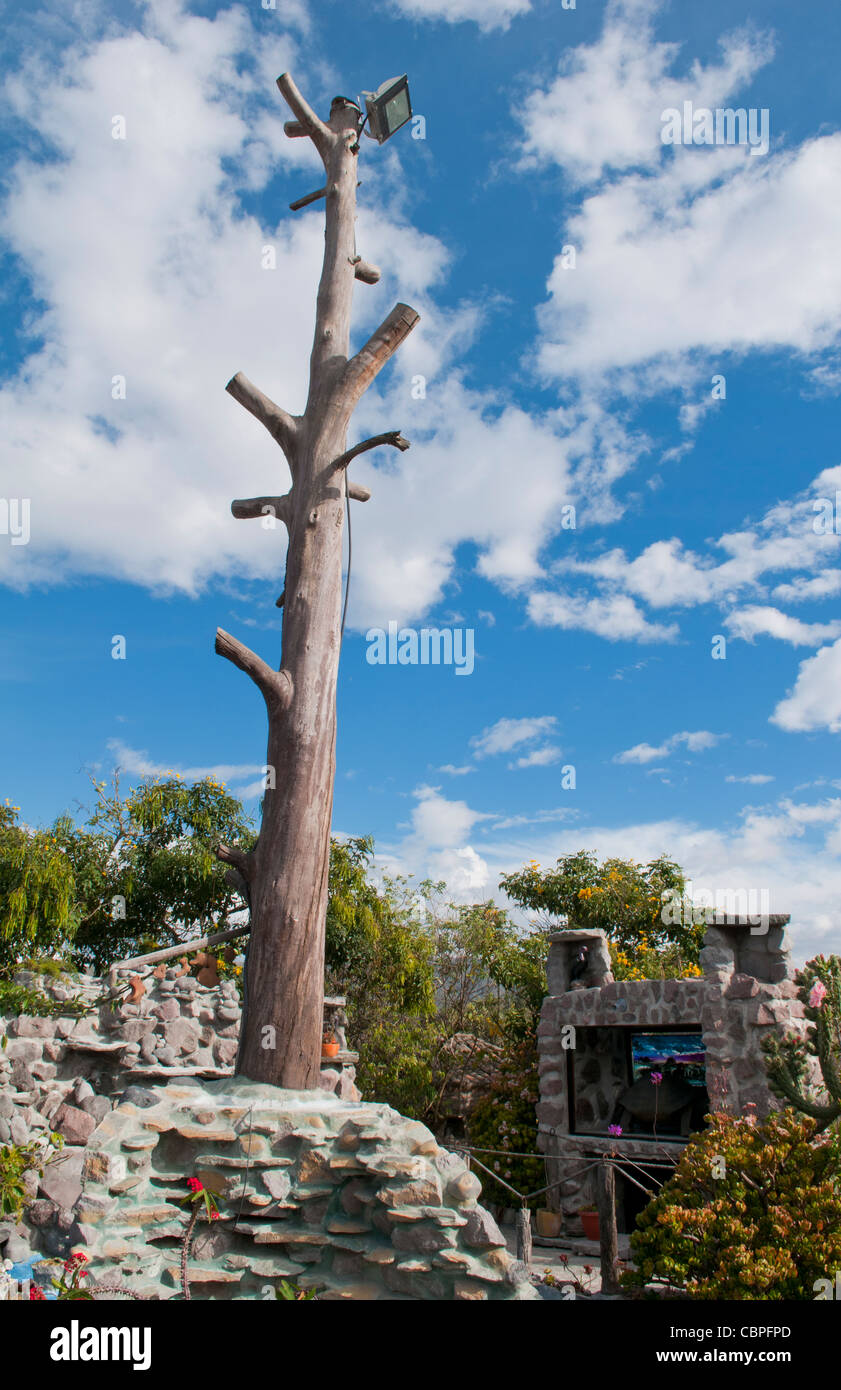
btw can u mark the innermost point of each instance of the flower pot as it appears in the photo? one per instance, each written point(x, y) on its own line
point(330, 1049)
point(590, 1222)
point(549, 1223)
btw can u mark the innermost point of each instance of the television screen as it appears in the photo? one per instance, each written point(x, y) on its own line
point(669, 1052)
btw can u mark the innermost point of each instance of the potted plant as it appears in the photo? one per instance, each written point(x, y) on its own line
point(329, 1046)
point(548, 1223)
point(590, 1222)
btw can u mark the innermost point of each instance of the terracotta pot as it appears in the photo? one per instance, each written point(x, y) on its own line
point(329, 1049)
point(549, 1223)
point(590, 1222)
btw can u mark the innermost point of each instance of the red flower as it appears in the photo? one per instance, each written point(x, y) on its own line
point(83, 1273)
point(80, 1255)
point(214, 1216)
point(37, 1293)
point(194, 1185)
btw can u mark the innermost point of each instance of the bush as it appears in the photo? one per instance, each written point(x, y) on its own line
point(753, 1211)
point(18, 1160)
point(506, 1120)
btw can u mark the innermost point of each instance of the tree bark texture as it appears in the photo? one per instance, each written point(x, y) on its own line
point(286, 873)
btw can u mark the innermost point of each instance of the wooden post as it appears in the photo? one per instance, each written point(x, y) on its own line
point(284, 877)
point(608, 1236)
point(524, 1235)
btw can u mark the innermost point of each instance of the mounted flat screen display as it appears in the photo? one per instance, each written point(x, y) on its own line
point(670, 1053)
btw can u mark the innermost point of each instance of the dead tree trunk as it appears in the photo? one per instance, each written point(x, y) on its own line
point(286, 873)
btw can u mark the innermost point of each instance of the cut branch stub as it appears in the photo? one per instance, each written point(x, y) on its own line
point(358, 493)
point(367, 273)
point(392, 437)
point(282, 426)
point(247, 508)
point(320, 134)
point(275, 686)
point(370, 359)
point(307, 199)
point(237, 858)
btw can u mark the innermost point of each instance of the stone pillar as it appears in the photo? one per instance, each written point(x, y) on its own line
point(563, 949)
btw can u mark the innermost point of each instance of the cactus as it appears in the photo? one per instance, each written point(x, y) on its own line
point(789, 1058)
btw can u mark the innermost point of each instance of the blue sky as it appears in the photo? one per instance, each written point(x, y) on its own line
point(546, 385)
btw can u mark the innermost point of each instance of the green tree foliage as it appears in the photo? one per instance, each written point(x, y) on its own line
point(504, 1124)
point(790, 1059)
point(379, 955)
point(416, 970)
point(623, 899)
point(149, 853)
point(753, 1211)
point(37, 891)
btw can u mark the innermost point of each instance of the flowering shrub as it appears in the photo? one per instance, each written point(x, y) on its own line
point(203, 1203)
point(199, 1196)
point(753, 1211)
point(69, 1284)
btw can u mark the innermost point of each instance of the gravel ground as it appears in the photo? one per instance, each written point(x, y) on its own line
point(580, 1256)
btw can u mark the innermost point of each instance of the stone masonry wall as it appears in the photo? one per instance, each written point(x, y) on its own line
point(351, 1199)
point(67, 1073)
point(734, 1007)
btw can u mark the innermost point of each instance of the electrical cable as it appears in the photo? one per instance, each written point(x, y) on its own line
point(349, 557)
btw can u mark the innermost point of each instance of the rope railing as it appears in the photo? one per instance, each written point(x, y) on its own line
point(607, 1165)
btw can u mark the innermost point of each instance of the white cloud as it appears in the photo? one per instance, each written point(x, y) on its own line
point(453, 771)
point(667, 575)
point(694, 742)
point(753, 622)
point(791, 851)
point(488, 14)
point(616, 617)
point(802, 590)
point(602, 111)
point(637, 302)
point(538, 818)
point(506, 734)
point(438, 823)
point(752, 779)
point(815, 701)
point(162, 283)
point(540, 757)
point(137, 762)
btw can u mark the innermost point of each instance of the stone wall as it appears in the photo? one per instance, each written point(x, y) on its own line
point(347, 1197)
point(351, 1199)
point(66, 1073)
point(583, 1030)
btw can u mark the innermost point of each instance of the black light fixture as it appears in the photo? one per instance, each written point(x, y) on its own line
point(389, 108)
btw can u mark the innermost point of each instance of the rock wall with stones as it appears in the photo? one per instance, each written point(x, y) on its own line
point(351, 1199)
point(346, 1197)
point(67, 1073)
point(746, 990)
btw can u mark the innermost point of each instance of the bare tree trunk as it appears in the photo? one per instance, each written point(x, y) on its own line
point(286, 873)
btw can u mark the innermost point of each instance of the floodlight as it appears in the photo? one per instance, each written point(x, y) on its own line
point(389, 107)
